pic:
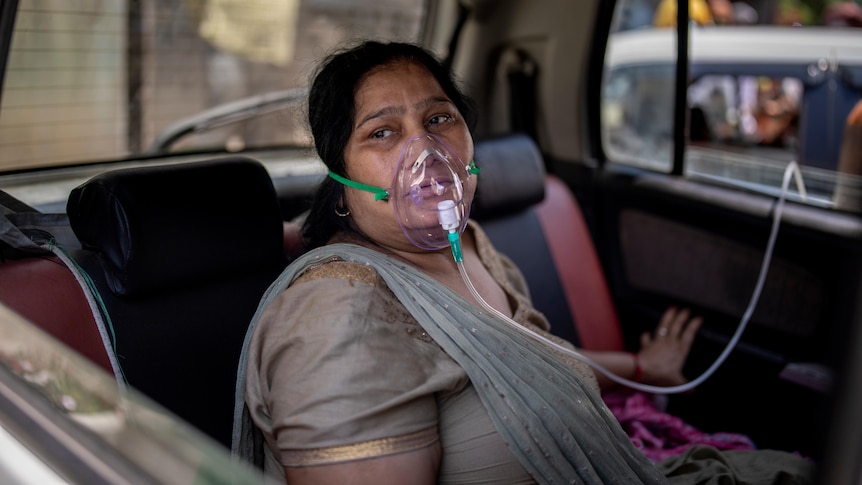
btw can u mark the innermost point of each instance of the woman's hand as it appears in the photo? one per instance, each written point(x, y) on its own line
point(663, 353)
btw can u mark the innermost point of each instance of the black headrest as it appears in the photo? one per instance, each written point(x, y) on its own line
point(167, 226)
point(511, 177)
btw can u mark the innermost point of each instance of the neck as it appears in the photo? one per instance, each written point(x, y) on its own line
point(437, 263)
point(432, 262)
point(441, 266)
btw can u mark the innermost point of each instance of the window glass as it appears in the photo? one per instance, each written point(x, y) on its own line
point(637, 102)
point(101, 80)
point(76, 403)
point(769, 83)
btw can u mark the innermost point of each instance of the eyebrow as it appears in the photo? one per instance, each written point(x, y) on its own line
point(432, 101)
point(392, 110)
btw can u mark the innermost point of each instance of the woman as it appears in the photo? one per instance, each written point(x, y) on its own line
point(371, 359)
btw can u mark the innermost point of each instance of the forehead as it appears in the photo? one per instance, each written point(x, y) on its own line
point(393, 81)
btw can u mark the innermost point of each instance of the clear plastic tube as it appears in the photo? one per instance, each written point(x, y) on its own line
point(792, 169)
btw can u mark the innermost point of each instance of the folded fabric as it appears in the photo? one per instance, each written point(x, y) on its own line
point(660, 435)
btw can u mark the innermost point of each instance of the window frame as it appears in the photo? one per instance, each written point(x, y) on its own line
point(814, 164)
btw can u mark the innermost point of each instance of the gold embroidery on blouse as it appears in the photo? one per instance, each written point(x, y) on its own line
point(340, 269)
point(358, 451)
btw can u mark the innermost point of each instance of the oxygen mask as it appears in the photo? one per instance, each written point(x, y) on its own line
point(432, 188)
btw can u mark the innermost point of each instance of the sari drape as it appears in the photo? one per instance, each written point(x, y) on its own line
point(554, 422)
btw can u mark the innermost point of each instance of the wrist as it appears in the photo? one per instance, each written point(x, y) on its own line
point(638, 373)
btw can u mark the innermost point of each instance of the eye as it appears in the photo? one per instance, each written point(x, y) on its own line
point(439, 119)
point(382, 133)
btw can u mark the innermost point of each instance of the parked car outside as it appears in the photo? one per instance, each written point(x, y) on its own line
point(759, 97)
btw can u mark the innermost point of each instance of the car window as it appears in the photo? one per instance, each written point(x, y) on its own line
point(95, 81)
point(769, 83)
point(68, 421)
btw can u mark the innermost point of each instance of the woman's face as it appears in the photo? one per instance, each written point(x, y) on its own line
point(393, 103)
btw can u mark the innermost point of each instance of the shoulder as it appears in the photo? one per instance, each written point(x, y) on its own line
point(330, 347)
point(340, 270)
point(340, 293)
point(335, 290)
point(330, 304)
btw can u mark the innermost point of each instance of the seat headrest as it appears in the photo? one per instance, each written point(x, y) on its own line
point(512, 175)
point(162, 227)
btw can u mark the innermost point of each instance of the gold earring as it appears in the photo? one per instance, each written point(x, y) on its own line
point(344, 213)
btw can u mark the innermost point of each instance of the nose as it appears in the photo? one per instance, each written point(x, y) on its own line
point(413, 135)
point(414, 127)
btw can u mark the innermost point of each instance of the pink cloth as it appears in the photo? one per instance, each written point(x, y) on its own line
point(660, 435)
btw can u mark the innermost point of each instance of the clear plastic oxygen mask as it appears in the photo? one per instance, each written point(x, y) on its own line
point(428, 176)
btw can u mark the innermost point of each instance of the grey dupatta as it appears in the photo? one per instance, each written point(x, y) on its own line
point(553, 421)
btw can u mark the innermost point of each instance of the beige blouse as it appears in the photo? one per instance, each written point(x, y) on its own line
point(338, 370)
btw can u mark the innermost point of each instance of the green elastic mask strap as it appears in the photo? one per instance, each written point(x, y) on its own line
point(383, 194)
point(379, 194)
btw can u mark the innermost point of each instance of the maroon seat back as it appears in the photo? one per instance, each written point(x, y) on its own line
point(44, 291)
point(577, 263)
point(38, 285)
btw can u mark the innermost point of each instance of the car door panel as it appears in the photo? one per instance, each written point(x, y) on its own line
point(666, 240)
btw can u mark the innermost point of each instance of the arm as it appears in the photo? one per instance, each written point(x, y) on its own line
point(418, 467)
point(341, 385)
point(620, 363)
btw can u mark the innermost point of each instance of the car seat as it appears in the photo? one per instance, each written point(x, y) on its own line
point(533, 217)
point(181, 254)
point(36, 282)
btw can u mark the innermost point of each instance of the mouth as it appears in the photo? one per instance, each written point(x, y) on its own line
point(431, 191)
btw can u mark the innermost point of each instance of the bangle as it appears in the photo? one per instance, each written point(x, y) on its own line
point(639, 372)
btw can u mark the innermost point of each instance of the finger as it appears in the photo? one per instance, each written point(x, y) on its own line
point(646, 339)
point(686, 339)
point(679, 320)
point(666, 322)
point(691, 329)
point(667, 317)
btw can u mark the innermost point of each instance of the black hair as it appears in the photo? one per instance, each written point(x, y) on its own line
point(331, 112)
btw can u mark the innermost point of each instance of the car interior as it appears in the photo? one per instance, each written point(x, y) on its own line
point(152, 267)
